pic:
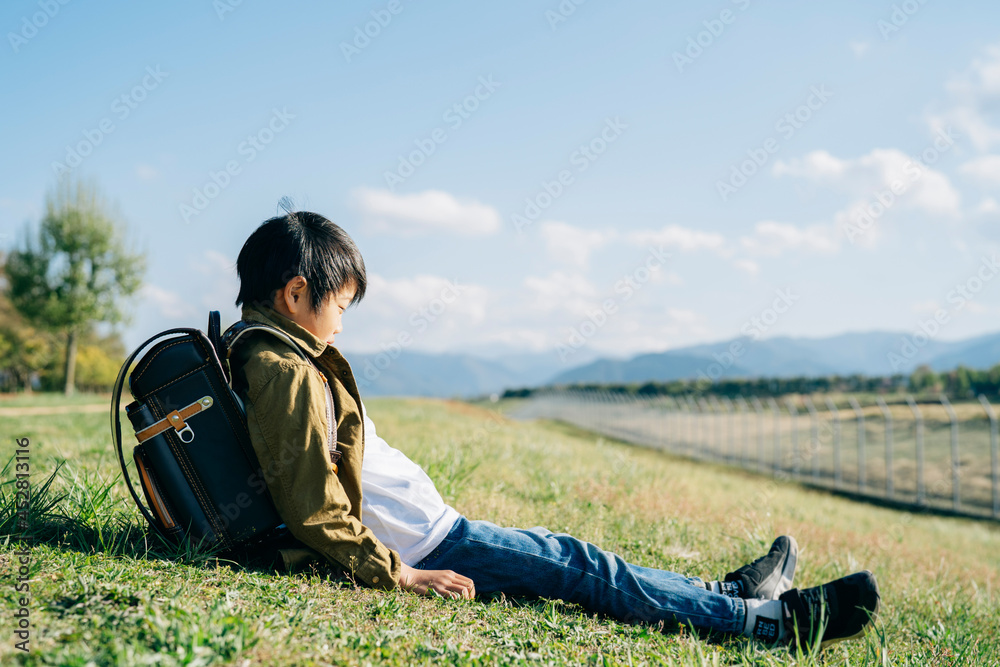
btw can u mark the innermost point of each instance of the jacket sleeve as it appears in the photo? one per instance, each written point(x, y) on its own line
point(287, 424)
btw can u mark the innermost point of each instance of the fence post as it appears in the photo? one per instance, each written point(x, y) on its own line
point(794, 412)
point(670, 404)
point(860, 416)
point(717, 423)
point(838, 480)
point(731, 419)
point(776, 411)
point(667, 418)
point(679, 420)
point(610, 408)
point(706, 426)
point(956, 499)
point(692, 426)
point(745, 410)
point(889, 490)
point(918, 419)
point(813, 436)
point(759, 409)
point(994, 454)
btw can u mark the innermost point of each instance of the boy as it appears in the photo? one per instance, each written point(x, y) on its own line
point(348, 497)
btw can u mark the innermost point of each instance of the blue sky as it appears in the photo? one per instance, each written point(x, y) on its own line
point(712, 156)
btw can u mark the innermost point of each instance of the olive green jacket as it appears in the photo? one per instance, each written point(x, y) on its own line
point(286, 415)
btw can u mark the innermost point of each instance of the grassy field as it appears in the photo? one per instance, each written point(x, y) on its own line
point(100, 596)
point(766, 443)
point(52, 399)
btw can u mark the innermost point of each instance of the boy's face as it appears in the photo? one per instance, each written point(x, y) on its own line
point(293, 303)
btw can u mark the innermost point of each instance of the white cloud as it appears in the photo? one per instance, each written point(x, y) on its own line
point(748, 266)
point(682, 238)
point(988, 205)
point(573, 245)
point(774, 238)
point(169, 304)
point(683, 316)
point(219, 283)
point(881, 170)
point(819, 166)
point(985, 169)
point(424, 312)
point(928, 307)
point(982, 77)
point(400, 299)
point(859, 48)
point(668, 277)
point(570, 292)
point(145, 172)
point(974, 95)
point(425, 212)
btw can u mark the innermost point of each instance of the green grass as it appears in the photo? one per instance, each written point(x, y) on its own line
point(726, 435)
point(101, 593)
point(52, 399)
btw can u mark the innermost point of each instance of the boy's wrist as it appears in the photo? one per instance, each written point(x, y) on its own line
point(382, 569)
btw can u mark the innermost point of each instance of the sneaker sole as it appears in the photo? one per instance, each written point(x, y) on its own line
point(874, 615)
point(787, 573)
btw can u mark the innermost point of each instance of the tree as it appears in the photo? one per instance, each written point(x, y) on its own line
point(76, 271)
point(924, 378)
point(24, 350)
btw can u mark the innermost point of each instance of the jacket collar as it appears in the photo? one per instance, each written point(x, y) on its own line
point(268, 315)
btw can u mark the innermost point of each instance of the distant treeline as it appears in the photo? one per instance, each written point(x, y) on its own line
point(961, 383)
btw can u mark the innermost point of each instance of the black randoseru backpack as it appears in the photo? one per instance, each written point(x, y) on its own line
point(195, 462)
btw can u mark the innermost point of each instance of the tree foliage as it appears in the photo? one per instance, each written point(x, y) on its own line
point(76, 270)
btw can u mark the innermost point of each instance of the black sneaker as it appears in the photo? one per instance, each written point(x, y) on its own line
point(769, 576)
point(833, 612)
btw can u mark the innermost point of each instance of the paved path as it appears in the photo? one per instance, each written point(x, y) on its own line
point(52, 410)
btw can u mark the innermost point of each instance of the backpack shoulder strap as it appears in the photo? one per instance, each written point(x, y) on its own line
point(235, 332)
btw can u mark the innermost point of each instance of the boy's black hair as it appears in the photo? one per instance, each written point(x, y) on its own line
point(299, 244)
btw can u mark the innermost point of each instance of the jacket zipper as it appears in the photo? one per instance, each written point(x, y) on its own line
point(334, 454)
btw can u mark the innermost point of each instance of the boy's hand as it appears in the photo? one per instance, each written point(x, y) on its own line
point(445, 583)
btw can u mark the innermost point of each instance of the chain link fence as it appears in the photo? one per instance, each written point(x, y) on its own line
point(917, 454)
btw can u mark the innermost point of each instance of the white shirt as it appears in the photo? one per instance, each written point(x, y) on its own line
point(399, 502)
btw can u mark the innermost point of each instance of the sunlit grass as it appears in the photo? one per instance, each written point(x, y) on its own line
point(102, 591)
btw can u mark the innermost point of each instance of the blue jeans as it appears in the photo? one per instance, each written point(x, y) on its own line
point(539, 563)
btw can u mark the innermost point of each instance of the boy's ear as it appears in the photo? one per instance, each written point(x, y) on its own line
point(293, 296)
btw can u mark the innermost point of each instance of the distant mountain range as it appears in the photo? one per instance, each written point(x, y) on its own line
point(449, 375)
point(873, 353)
